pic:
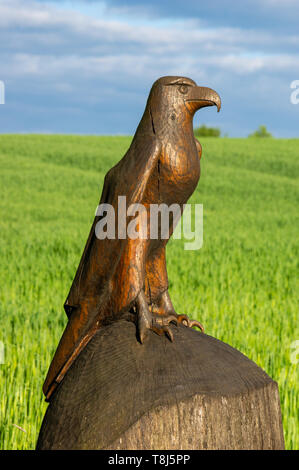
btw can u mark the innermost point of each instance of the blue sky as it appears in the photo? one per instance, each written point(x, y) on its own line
point(87, 66)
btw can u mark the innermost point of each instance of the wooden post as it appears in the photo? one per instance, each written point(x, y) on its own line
point(194, 393)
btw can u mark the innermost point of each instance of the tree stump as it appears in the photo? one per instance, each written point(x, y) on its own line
point(195, 393)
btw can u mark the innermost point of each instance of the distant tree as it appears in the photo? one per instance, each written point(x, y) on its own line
point(261, 132)
point(204, 131)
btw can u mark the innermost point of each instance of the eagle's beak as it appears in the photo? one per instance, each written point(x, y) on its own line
point(200, 97)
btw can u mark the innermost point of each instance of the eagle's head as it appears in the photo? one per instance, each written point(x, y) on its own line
point(178, 98)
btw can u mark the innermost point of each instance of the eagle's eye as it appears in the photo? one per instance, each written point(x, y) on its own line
point(183, 89)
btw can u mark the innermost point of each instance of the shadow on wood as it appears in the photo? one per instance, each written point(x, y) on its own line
point(194, 393)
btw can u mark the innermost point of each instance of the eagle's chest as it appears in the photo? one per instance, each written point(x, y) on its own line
point(177, 173)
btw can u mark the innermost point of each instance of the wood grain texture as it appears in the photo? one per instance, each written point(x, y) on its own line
point(194, 393)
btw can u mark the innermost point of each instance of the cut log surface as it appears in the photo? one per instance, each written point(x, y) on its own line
point(194, 393)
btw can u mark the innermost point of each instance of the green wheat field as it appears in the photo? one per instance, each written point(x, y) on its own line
point(242, 284)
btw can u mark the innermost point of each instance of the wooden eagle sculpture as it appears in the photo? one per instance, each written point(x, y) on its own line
point(128, 274)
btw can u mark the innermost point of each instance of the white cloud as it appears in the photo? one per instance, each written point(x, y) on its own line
point(189, 33)
point(84, 59)
point(45, 40)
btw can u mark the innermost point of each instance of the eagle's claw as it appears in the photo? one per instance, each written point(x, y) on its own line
point(157, 323)
point(185, 320)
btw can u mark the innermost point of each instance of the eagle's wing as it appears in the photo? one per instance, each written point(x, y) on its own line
point(129, 177)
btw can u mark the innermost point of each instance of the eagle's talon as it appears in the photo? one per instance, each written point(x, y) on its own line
point(160, 325)
point(161, 330)
point(169, 333)
point(164, 319)
point(147, 320)
point(186, 321)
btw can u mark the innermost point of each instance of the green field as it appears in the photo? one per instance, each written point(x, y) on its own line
point(241, 285)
